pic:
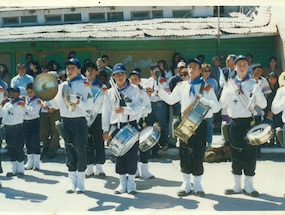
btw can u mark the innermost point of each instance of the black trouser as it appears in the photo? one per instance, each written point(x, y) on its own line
point(32, 136)
point(144, 156)
point(127, 164)
point(95, 151)
point(15, 142)
point(192, 153)
point(243, 154)
point(75, 135)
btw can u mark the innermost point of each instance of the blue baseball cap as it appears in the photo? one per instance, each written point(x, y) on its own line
point(119, 67)
point(73, 61)
point(195, 60)
point(135, 73)
point(13, 89)
point(240, 57)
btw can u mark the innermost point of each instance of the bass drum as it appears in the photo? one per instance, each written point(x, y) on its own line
point(259, 134)
point(149, 136)
point(124, 140)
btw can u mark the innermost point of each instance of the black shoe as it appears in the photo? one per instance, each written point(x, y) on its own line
point(10, 174)
point(101, 175)
point(70, 191)
point(20, 174)
point(79, 191)
point(89, 176)
point(253, 193)
point(200, 193)
point(1, 170)
point(231, 192)
point(182, 193)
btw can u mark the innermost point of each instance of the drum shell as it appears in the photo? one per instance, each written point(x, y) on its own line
point(255, 137)
point(191, 121)
point(124, 140)
point(146, 144)
point(279, 134)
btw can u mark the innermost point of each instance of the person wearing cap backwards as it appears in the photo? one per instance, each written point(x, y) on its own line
point(192, 152)
point(243, 154)
point(74, 124)
point(119, 116)
point(32, 129)
point(95, 151)
point(22, 79)
point(142, 170)
point(13, 117)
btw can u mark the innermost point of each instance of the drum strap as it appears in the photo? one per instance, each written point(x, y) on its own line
point(190, 106)
point(237, 148)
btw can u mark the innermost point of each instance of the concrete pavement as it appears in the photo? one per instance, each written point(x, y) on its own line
point(44, 191)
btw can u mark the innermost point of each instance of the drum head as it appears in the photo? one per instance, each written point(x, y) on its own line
point(259, 134)
point(145, 133)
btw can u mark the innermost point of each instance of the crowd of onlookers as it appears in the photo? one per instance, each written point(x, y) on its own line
point(213, 73)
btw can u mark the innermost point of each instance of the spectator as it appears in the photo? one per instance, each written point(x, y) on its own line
point(106, 60)
point(201, 58)
point(176, 57)
point(164, 67)
point(53, 66)
point(35, 69)
point(5, 74)
point(22, 79)
point(250, 63)
point(272, 68)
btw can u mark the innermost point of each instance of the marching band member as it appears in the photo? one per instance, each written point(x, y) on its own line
point(31, 127)
point(13, 117)
point(95, 151)
point(142, 170)
point(192, 153)
point(73, 122)
point(243, 154)
point(3, 88)
point(119, 116)
point(158, 106)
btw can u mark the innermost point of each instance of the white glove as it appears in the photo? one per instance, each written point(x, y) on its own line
point(156, 87)
point(206, 102)
point(73, 98)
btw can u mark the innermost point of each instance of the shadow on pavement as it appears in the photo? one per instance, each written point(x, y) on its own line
point(21, 195)
point(263, 203)
point(124, 202)
point(30, 178)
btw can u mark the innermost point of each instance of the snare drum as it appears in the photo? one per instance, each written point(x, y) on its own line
point(259, 134)
point(191, 121)
point(149, 136)
point(124, 140)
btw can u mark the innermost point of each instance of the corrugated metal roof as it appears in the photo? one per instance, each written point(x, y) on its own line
point(260, 23)
point(278, 15)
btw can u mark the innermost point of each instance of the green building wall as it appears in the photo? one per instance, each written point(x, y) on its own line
point(151, 50)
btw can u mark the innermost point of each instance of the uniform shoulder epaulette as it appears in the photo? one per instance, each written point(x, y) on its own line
point(104, 89)
point(163, 80)
point(21, 103)
point(87, 84)
point(207, 88)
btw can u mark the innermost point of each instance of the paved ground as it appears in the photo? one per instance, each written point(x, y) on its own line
point(44, 191)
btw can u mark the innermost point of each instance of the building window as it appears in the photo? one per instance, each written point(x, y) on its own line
point(115, 16)
point(157, 14)
point(222, 11)
point(182, 13)
point(72, 17)
point(140, 15)
point(28, 19)
point(53, 19)
point(97, 17)
point(10, 20)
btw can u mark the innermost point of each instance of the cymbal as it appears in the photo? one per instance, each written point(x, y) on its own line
point(45, 86)
point(66, 91)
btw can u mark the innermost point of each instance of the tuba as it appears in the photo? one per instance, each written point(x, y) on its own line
point(45, 86)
